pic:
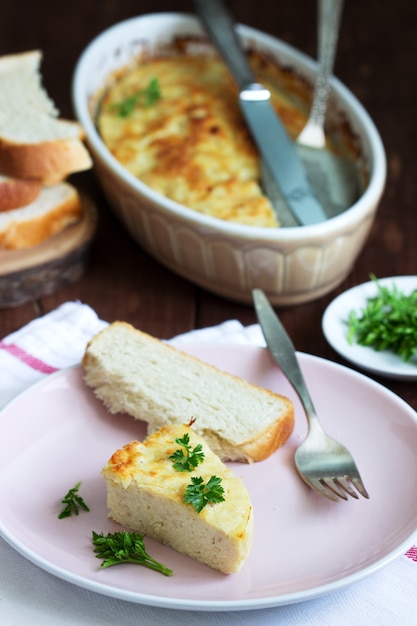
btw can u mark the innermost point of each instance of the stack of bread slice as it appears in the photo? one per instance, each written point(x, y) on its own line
point(38, 151)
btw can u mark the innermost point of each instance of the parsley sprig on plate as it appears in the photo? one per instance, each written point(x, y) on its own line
point(125, 547)
point(387, 322)
point(73, 503)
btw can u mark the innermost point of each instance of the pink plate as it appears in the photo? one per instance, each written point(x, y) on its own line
point(56, 434)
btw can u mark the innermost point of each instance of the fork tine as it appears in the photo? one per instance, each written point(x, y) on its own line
point(331, 483)
point(318, 485)
point(357, 481)
point(344, 483)
point(337, 487)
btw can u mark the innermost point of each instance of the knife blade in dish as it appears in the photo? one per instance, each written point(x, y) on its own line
point(277, 150)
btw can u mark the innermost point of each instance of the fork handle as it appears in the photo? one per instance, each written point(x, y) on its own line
point(283, 351)
point(330, 13)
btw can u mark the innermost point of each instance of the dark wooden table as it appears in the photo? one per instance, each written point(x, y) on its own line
point(376, 59)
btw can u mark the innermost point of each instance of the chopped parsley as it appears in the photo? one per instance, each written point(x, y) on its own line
point(146, 97)
point(388, 322)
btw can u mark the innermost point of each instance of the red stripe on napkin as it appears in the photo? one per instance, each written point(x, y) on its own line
point(412, 553)
point(28, 359)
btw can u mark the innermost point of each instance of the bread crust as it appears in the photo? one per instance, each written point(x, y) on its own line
point(267, 442)
point(48, 162)
point(17, 192)
point(24, 233)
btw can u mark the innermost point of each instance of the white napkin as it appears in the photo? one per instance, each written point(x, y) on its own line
point(30, 596)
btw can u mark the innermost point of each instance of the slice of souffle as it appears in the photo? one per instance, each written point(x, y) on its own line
point(173, 488)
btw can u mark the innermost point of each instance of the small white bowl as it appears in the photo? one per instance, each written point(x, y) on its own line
point(335, 329)
point(292, 265)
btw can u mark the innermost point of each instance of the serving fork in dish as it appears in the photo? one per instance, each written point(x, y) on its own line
point(322, 462)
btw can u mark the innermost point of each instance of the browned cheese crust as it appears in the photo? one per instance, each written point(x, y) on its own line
point(193, 145)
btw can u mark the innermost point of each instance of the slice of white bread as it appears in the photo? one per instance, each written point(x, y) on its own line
point(55, 207)
point(132, 372)
point(34, 142)
point(17, 192)
point(146, 494)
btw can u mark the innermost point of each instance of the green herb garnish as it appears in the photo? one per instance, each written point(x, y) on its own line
point(125, 547)
point(199, 494)
point(144, 97)
point(73, 503)
point(388, 322)
point(187, 459)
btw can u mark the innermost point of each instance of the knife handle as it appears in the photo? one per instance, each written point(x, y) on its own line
point(221, 29)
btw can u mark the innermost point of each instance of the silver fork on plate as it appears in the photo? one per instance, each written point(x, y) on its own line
point(323, 463)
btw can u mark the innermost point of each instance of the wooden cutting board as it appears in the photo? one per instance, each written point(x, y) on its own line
point(42, 270)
